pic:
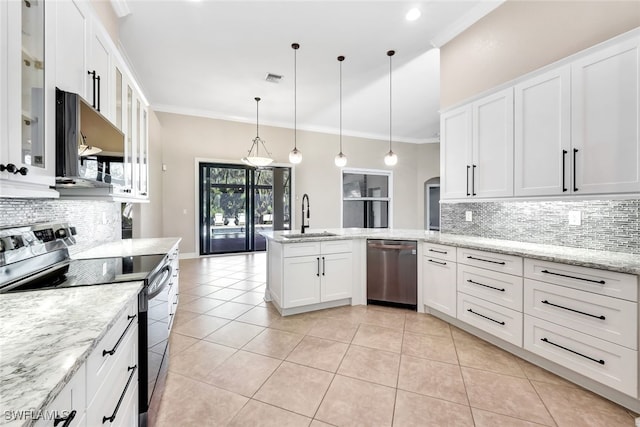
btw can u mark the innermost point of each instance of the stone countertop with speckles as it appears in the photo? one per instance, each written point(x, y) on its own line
point(46, 336)
point(613, 261)
point(131, 247)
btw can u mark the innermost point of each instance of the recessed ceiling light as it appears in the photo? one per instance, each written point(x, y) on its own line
point(413, 14)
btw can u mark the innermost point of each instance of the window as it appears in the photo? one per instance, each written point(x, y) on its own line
point(366, 198)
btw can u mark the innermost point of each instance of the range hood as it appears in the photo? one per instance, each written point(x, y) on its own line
point(78, 124)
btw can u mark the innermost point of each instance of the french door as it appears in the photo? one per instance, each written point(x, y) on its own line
point(237, 202)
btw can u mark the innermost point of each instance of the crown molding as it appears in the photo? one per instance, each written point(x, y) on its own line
point(478, 12)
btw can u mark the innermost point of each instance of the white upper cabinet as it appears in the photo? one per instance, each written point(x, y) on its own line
point(28, 118)
point(543, 134)
point(477, 149)
point(492, 168)
point(455, 159)
point(72, 33)
point(605, 120)
point(97, 74)
point(4, 144)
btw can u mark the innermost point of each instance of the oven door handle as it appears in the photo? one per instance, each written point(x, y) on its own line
point(153, 289)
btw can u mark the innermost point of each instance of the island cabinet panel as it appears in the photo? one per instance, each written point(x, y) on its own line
point(69, 406)
point(301, 281)
point(337, 276)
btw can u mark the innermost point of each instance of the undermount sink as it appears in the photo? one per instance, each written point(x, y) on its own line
point(308, 235)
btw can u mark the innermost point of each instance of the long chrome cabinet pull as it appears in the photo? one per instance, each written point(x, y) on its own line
point(602, 282)
point(572, 351)
point(486, 286)
point(571, 309)
point(438, 262)
point(486, 317)
point(323, 266)
point(438, 252)
point(115, 411)
point(487, 260)
point(564, 155)
point(115, 347)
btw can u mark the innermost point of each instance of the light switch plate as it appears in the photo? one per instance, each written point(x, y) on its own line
point(575, 218)
point(468, 216)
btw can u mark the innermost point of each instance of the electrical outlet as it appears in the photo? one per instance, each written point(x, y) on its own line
point(468, 216)
point(164, 167)
point(575, 218)
point(104, 217)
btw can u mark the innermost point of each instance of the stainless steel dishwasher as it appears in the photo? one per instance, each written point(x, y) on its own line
point(392, 272)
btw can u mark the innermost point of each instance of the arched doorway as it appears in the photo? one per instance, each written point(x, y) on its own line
point(432, 204)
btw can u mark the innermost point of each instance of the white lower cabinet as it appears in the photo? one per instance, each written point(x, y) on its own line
point(501, 288)
point(69, 406)
point(104, 391)
point(439, 279)
point(603, 361)
point(309, 273)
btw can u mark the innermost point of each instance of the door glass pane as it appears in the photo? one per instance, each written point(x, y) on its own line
point(136, 160)
point(118, 98)
point(143, 155)
point(128, 149)
point(33, 152)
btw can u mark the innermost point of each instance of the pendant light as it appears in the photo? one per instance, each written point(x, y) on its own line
point(391, 158)
point(255, 159)
point(341, 159)
point(295, 156)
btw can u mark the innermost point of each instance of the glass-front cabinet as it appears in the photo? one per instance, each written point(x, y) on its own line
point(28, 161)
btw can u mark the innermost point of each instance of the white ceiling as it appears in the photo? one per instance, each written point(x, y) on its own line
point(210, 59)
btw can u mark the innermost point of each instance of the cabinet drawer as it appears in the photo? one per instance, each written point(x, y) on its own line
point(301, 249)
point(491, 261)
point(103, 357)
point(500, 288)
point(336, 246)
point(602, 282)
point(607, 363)
point(492, 318)
point(71, 398)
point(446, 253)
point(121, 380)
point(604, 317)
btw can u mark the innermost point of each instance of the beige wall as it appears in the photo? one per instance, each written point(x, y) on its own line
point(108, 17)
point(185, 138)
point(521, 36)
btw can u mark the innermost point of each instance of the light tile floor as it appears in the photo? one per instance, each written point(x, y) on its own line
point(236, 361)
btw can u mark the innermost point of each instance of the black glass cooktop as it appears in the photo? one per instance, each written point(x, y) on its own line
point(97, 271)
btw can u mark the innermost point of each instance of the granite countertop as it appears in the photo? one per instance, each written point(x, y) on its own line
point(130, 247)
point(613, 261)
point(45, 337)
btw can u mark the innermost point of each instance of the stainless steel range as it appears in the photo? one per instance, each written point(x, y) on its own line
point(36, 257)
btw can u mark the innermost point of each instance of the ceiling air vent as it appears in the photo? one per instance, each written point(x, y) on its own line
point(273, 78)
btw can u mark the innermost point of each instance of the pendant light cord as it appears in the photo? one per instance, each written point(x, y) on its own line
point(390, 53)
point(257, 127)
point(295, 47)
point(341, 58)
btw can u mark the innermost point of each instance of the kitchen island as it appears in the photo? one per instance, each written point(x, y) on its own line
point(46, 337)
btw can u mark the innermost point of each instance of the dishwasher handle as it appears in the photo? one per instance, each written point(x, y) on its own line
point(391, 247)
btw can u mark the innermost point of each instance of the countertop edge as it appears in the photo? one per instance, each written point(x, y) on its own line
point(554, 256)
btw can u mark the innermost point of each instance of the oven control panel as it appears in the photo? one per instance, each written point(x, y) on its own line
point(13, 239)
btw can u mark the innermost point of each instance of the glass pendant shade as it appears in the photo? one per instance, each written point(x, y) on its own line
point(86, 150)
point(253, 158)
point(390, 159)
point(295, 156)
point(340, 160)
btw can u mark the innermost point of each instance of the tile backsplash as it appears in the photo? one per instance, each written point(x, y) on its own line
point(96, 221)
point(611, 225)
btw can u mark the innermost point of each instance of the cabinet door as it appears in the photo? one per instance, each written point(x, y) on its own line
point(70, 403)
point(605, 120)
point(4, 144)
point(492, 167)
point(301, 281)
point(455, 153)
point(439, 285)
point(71, 45)
point(143, 159)
point(543, 134)
point(98, 92)
point(31, 92)
point(337, 276)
